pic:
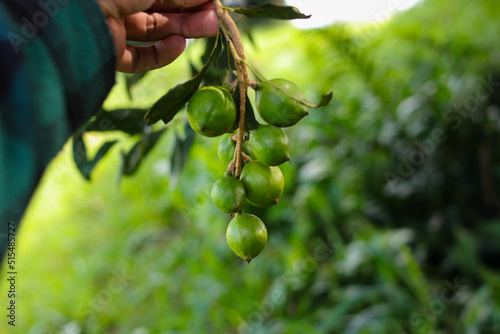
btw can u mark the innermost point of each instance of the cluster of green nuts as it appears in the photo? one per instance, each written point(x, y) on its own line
point(212, 112)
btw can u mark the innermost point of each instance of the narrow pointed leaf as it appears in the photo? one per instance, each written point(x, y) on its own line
point(269, 11)
point(182, 146)
point(212, 45)
point(171, 103)
point(325, 99)
point(132, 160)
point(225, 59)
point(84, 165)
point(130, 121)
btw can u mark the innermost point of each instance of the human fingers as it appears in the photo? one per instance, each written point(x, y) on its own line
point(157, 26)
point(164, 8)
point(145, 58)
point(183, 3)
point(120, 8)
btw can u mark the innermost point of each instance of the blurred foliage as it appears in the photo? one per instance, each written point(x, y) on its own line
point(389, 223)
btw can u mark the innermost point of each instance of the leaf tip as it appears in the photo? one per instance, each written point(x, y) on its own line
point(300, 14)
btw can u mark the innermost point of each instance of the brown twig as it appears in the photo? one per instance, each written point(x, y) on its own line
point(228, 22)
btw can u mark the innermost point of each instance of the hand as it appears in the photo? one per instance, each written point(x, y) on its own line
point(167, 22)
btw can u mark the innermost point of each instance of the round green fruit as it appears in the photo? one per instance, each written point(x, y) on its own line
point(248, 150)
point(264, 184)
point(270, 145)
point(211, 111)
point(228, 194)
point(275, 107)
point(226, 148)
point(246, 235)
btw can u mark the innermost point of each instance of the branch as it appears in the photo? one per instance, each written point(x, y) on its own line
point(231, 32)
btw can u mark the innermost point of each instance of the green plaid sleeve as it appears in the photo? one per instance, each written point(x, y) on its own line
point(57, 65)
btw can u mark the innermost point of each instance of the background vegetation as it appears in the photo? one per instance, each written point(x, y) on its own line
point(390, 221)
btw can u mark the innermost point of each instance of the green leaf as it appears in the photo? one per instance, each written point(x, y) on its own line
point(171, 103)
point(269, 11)
point(212, 45)
point(130, 121)
point(325, 100)
point(132, 160)
point(225, 59)
point(217, 72)
point(193, 69)
point(182, 146)
point(85, 166)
